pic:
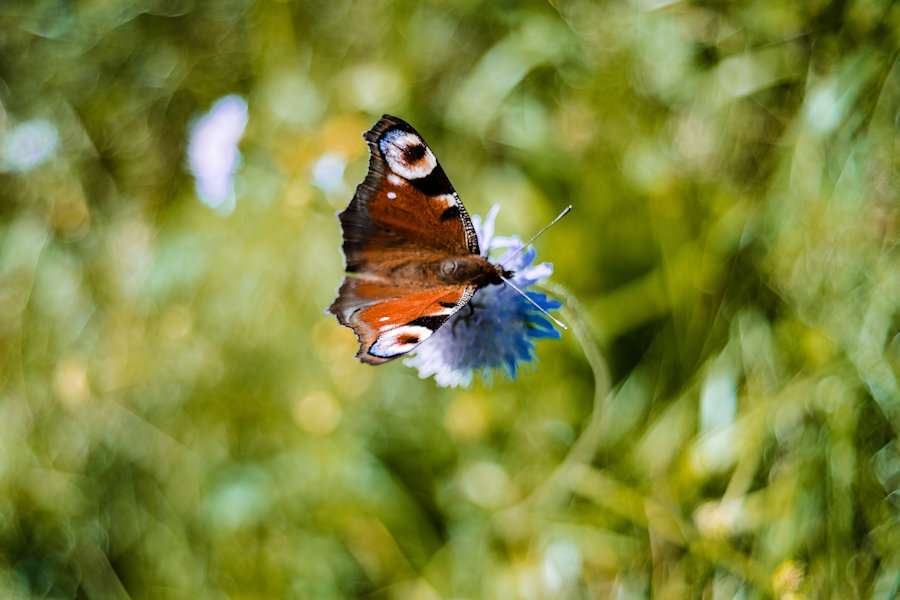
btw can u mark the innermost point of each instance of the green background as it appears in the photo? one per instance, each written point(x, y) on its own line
point(180, 419)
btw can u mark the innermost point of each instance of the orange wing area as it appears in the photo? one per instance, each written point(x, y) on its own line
point(391, 319)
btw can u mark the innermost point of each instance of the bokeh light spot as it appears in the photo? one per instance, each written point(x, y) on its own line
point(70, 382)
point(486, 484)
point(328, 173)
point(240, 500)
point(823, 110)
point(467, 417)
point(561, 565)
point(317, 413)
point(29, 145)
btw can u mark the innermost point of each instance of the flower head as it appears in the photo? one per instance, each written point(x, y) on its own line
point(500, 328)
point(213, 155)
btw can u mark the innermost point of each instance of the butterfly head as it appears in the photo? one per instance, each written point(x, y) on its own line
point(503, 273)
point(471, 269)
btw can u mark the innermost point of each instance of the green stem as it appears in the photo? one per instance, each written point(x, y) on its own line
point(588, 443)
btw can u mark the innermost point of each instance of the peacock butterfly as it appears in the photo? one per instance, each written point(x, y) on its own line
point(411, 252)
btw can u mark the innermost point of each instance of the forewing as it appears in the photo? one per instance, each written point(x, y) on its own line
point(405, 204)
point(391, 319)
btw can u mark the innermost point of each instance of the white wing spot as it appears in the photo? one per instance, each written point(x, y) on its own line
point(391, 195)
point(395, 180)
point(383, 319)
point(449, 199)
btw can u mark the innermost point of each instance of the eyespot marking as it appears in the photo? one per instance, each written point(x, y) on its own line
point(413, 153)
point(399, 340)
point(406, 154)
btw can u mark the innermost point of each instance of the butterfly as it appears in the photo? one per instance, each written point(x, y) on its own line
point(411, 252)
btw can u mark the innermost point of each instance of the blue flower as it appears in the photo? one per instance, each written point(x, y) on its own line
point(213, 155)
point(503, 327)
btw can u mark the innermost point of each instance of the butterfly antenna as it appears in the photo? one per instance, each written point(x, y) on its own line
point(559, 217)
point(535, 304)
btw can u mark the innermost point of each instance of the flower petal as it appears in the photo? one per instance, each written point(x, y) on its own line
point(486, 232)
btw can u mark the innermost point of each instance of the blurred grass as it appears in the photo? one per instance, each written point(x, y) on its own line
point(178, 418)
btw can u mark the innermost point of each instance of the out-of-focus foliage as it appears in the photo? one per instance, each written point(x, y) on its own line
point(179, 419)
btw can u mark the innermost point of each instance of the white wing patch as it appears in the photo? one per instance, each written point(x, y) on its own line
point(448, 199)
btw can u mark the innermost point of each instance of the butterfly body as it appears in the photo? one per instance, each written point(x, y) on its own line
point(411, 250)
point(460, 270)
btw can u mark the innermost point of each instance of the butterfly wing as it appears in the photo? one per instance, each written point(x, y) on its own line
point(403, 214)
point(405, 204)
point(391, 319)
